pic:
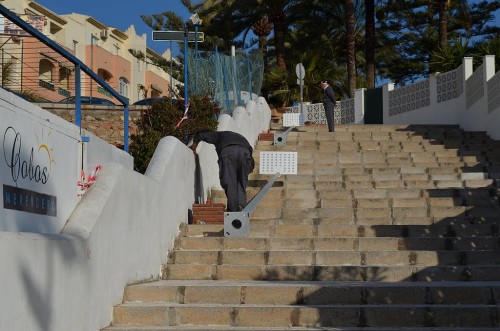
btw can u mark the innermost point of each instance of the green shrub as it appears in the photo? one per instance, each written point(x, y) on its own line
point(161, 119)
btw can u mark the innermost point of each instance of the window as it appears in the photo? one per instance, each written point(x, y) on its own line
point(155, 91)
point(123, 87)
point(45, 70)
point(104, 74)
point(64, 76)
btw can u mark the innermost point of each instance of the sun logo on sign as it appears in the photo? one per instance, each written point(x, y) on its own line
point(43, 148)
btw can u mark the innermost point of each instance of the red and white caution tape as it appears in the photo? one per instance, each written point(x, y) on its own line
point(184, 117)
point(83, 184)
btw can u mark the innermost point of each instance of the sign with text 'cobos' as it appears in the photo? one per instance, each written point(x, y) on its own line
point(38, 173)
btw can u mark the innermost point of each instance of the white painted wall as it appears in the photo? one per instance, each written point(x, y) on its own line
point(470, 116)
point(56, 146)
point(118, 234)
point(436, 113)
point(359, 106)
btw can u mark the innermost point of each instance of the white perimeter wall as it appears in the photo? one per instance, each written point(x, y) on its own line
point(477, 107)
point(41, 154)
point(118, 234)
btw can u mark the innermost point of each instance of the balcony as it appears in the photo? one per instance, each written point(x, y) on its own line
point(102, 91)
point(47, 85)
point(64, 92)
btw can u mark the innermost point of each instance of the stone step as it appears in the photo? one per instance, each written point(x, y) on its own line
point(237, 328)
point(368, 155)
point(354, 244)
point(331, 273)
point(309, 199)
point(372, 153)
point(414, 143)
point(306, 316)
point(434, 205)
point(384, 228)
point(283, 229)
point(323, 293)
point(337, 192)
point(385, 215)
point(339, 257)
point(338, 173)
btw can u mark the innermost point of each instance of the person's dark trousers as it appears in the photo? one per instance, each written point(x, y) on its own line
point(329, 108)
point(234, 167)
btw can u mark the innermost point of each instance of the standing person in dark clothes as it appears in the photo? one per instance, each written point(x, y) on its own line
point(235, 163)
point(328, 103)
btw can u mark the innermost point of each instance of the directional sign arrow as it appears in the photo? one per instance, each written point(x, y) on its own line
point(178, 36)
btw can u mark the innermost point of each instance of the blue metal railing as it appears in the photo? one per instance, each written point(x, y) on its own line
point(79, 65)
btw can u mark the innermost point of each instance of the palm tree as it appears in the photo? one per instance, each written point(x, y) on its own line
point(443, 23)
point(350, 46)
point(262, 29)
point(370, 42)
point(243, 14)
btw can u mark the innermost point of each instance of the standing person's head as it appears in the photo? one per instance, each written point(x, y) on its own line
point(323, 84)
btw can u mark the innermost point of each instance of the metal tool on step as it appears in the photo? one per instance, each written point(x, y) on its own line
point(236, 224)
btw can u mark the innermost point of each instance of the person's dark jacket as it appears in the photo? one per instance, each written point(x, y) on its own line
point(222, 139)
point(328, 95)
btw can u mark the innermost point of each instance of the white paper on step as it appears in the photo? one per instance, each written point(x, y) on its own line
point(283, 162)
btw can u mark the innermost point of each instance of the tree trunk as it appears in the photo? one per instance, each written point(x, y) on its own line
point(370, 43)
point(262, 45)
point(351, 47)
point(278, 20)
point(443, 24)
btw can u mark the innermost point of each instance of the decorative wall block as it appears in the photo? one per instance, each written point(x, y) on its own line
point(347, 111)
point(494, 93)
point(450, 84)
point(474, 87)
point(408, 98)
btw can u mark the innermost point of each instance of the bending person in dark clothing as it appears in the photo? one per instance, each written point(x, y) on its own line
point(235, 163)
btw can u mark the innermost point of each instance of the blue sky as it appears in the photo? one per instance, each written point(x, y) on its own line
point(122, 13)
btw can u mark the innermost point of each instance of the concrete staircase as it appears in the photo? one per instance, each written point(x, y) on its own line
point(384, 228)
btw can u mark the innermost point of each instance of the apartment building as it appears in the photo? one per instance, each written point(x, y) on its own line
point(121, 58)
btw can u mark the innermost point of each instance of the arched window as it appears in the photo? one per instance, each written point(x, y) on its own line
point(123, 86)
point(45, 70)
point(105, 75)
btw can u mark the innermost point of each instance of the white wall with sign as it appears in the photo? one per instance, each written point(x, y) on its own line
point(40, 162)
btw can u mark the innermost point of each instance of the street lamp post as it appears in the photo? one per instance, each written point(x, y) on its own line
point(196, 21)
point(186, 102)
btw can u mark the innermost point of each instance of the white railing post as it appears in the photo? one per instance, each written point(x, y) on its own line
point(359, 106)
point(385, 97)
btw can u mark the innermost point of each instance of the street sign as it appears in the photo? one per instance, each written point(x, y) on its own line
point(178, 36)
point(300, 71)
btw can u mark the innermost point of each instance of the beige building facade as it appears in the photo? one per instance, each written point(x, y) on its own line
point(30, 66)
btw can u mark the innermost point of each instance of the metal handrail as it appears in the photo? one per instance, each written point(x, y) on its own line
point(236, 224)
point(280, 137)
point(258, 197)
point(79, 65)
